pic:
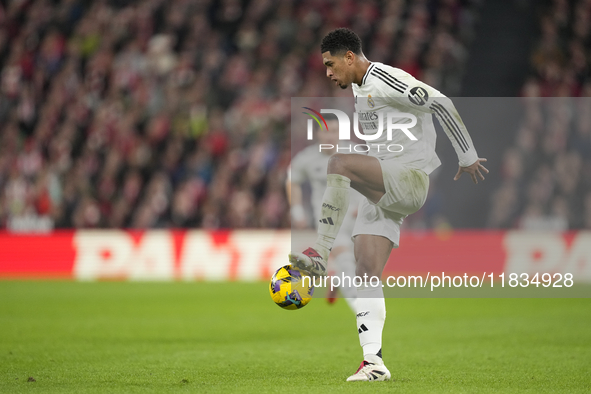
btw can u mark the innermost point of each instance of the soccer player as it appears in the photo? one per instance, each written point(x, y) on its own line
point(310, 165)
point(394, 182)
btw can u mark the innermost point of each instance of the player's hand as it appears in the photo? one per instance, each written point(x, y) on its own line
point(475, 170)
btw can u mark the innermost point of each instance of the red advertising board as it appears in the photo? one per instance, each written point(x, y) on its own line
point(254, 255)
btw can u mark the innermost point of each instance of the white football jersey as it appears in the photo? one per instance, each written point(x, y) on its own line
point(385, 89)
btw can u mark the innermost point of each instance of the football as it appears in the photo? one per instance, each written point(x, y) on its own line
point(289, 289)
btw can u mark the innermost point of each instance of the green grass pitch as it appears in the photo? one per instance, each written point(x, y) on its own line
point(229, 337)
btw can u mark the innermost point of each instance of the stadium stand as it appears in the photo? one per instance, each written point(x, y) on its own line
point(151, 114)
point(546, 183)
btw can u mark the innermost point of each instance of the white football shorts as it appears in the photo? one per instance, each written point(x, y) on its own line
point(406, 192)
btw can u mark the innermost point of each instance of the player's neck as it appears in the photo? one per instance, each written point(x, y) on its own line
point(362, 66)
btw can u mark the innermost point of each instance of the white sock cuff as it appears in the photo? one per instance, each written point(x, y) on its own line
point(367, 290)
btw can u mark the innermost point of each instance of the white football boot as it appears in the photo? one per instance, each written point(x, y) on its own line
point(370, 372)
point(309, 261)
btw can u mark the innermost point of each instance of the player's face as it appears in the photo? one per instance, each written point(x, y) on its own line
point(338, 68)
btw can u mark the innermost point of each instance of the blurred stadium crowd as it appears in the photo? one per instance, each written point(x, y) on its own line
point(175, 113)
point(546, 182)
point(154, 113)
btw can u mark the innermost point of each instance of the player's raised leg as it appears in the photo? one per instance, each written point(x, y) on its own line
point(364, 174)
point(371, 253)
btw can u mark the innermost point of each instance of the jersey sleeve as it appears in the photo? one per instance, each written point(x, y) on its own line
point(418, 96)
point(451, 122)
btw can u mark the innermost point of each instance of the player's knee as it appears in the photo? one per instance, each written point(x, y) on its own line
point(366, 267)
point(337, 164)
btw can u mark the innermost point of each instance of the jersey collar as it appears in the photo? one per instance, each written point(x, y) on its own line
point(366, 74)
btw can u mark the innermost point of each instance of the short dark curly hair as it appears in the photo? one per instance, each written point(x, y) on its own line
point(341, 40)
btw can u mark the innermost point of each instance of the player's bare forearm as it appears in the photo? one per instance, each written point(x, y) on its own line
point(288, 191)
point(475, 170)
point(295, 193)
